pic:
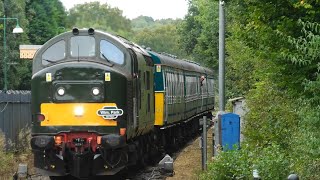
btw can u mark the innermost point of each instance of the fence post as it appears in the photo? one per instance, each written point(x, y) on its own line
point(204, 143)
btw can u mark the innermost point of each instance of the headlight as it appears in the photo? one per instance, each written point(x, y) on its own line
point(95, 91)
point(61, 91)
point(78, 111)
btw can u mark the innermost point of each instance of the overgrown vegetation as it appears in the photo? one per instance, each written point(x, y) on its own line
point(13, 154)
point(273, 60)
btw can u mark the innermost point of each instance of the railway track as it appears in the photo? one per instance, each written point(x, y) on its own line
point(152, 171)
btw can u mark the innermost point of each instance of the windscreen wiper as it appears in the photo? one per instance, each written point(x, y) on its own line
point(105, 57)
point(50, 61)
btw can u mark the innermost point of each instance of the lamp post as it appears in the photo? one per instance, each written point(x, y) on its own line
point(17, 29)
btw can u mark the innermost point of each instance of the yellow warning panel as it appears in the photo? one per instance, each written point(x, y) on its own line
point(159, 108)
point(107, 76)
point(48, 77)
point(78, 114)
point(158, 68)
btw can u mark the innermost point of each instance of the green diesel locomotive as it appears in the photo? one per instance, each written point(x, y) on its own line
point(101, 103)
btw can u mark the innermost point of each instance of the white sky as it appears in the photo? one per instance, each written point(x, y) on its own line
point(157, 9)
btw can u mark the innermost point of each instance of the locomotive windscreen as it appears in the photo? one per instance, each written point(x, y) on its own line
point(83, 46)
point(54, 53)
point(111, 52)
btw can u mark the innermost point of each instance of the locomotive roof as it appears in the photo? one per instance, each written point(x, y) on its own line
point(37, 66)
point(171, 61)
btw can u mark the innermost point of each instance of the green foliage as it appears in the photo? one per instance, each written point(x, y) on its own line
point(6, 159)
point(307, 142)
point(272, 118)
point(160, 35)
point(273, 60)
point(142, 22)
point(161, 39)
point(146, 22)
point(241, 65)
point(271, 162)
point(229, 165)
point(46, 19)
point(15, 9)
point(304, 53)
point(199, 32)
point(21, 75)
point(99, 16)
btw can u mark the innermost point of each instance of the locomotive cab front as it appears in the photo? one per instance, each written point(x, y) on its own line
point(80, 88)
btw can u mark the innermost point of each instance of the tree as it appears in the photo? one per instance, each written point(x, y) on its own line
point(15, 9)
point(273, 60)
point(199, 32)
point(99, 16)
point(142, 22)
point(46, 19)
point(161, 39)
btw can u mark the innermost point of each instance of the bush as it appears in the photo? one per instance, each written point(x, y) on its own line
point(272, 116)
point(307, 143)
point(233, 164)
point(271, 128)
point(271, 163)
point(13, 154)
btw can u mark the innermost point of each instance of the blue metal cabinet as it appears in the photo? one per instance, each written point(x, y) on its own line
point(230, 131)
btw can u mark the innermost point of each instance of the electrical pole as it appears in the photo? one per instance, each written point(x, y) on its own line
point(5, 88)
point(216, 133)
point(221, 56)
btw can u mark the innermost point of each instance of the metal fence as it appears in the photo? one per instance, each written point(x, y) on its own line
point(15, 112)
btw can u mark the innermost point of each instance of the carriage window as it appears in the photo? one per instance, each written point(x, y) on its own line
point(54, 53)
point(111, 52)
point(83, 46)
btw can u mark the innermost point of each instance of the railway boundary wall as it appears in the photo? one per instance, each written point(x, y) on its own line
point(15, 113)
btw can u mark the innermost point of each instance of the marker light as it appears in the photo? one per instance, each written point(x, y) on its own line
point(99, 140)
point(61, 91)
point(41, 117)
point(95, 91)
point(122, 131)
point(78, 111)
point(58, 140)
